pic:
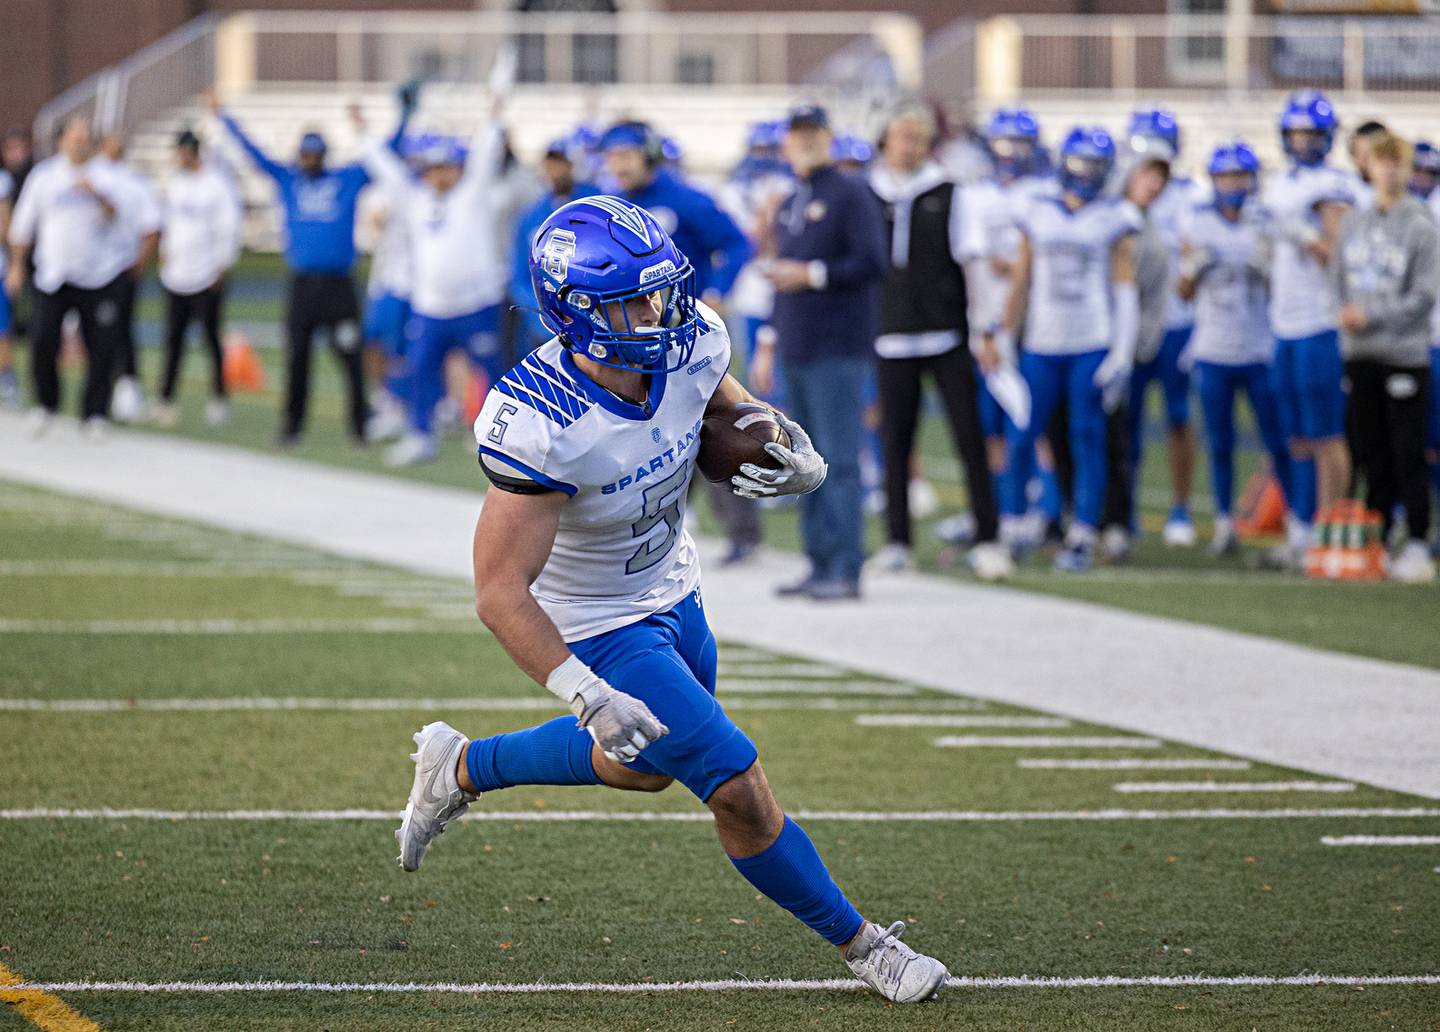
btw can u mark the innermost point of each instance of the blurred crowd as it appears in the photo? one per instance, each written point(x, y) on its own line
point(1037, 293)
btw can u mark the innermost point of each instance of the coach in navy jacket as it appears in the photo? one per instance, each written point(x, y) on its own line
point(830, 262)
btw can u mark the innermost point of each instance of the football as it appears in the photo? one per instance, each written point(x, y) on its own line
point(734, 436)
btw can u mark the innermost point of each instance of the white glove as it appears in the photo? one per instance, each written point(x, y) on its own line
point(621, 724)
point(1113, 379)
point(1113, 375)
point(801, 470)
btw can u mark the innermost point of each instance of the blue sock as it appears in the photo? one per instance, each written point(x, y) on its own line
point(792, 874)
point(1001, 480)
point(1050, 503)
point(553, 753)
point(1300, 492)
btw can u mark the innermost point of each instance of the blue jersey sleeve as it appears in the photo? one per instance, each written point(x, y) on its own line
point(726, 246)
point(272, 168)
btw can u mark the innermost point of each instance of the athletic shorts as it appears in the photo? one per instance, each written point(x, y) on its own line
point(385, 318)
point(668, 662)
point(1307, 374)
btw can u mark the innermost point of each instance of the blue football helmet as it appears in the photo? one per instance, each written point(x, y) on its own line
point(1230, 158)
point(1012, 137)
point(1086, 159)
point(1155, 131)
point(849, 147)
point(1308, 109)
point(1425, 170)
point(597, 251)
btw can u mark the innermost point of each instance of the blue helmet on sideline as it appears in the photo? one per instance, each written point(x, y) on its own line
point(849, 147)
point(1012, 137)
point(593, 255)
point(1425, 169)
point(1086, 158)
point(1155, 130)
point(1308, 110)
point(1230, 158)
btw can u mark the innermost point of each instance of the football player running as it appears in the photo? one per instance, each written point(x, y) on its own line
point(1224, 270)
point(1074, 294)
point(1307, 203)
point(586, 574)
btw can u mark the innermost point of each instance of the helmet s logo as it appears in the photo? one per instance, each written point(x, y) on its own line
point(555, 259)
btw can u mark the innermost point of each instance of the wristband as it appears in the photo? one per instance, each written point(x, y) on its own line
point(575, 684)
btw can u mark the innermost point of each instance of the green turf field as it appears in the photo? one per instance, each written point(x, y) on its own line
point(1385, 621)
point(251, 676)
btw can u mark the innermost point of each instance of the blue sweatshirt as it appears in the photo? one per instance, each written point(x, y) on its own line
point(834, 219)
point(522, 293)
point(319, 210)
point(715, 245)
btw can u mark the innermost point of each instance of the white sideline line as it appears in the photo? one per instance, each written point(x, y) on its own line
point(939, 720)
point(1234, 786)
point(780, 669)
point(803, 687)
point(320, 703)
point(1032, 763)
point(687, 816)
point(1381, 840)
point(1044, 742)
point(729, 984)
point(375, 625)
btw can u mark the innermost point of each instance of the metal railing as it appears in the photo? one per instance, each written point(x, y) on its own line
point(1058, 54)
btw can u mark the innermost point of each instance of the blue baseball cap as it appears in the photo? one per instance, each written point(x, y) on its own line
point(443, 150)
point(628, 134)
point(313, 143)
point(807, 116)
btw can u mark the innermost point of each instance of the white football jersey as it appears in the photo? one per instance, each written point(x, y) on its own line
point(1176, 203)
point(622, 551)
point(391, 260)
point(1302, 302)
point(989, 213)
point(1232, 323)
point(1070, 308)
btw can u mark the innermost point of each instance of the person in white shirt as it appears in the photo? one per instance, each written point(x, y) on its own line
point(139, 236)
point(72, 211)
point(460, 275)
point(200, 240)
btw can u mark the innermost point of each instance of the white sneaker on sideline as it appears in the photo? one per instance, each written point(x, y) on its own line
point(127, 401)
point(1116, 543)
point(1413, 565)
point(386, 424)
point(893, 558)
point(96, 429)
point(991, 561)
point(895, 971)
point(924, 499)
point(955, 530)
point(1180, 532)
point(38, 422)
point(411, 450)
point(1224, 542)
point(217, 412)
point(436, 797)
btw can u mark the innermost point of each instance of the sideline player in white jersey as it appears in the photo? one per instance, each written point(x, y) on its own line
point(1155, 131)
point(587, 576)
point(990, 245)
point(1075, 298)
point(459, 272)
point(1424, 178)
point(1224, 270)
point(1306, 203)
point(387, 306)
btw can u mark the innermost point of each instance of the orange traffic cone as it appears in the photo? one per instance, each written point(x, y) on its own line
point(243, 370)
point(1262, 507)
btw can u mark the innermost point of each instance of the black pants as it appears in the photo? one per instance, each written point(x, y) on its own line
point(900, 381)
point(322, 301)
point(1119, 510)
point(182, 309)
point(1387, 406)
point(128, 287)
point(99, 312)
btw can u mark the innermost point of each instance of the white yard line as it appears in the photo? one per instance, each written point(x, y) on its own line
point(689, 816)
point(1033, 763)
point(1304, 708)
point(803, 687)
point(1044, 742)
point(1137, 787)
point(737, 984)
point(375, 625)
point(1381, 840)
point(782, 668)
point(242, 704)
point(942, 720)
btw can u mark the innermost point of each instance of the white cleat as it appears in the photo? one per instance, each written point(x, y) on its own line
point(436, 797)
point(1224, 542)
point(1179, 532)
point(893, 558)
point(895, 971)
point(411, 450)
point(1413, 565)
point(991, 562)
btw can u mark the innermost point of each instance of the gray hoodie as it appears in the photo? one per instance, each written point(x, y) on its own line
point(1388, 263)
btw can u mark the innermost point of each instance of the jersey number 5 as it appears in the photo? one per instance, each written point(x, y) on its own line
point(501, 423)
point(661, 505)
